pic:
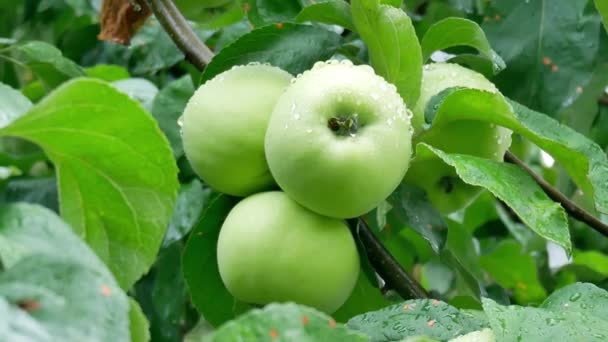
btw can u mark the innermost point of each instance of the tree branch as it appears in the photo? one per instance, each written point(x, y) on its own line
point(385, 264)
point(174, 23)
point(571, 208)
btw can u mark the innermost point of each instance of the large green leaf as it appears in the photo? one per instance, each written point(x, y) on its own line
point(521, 276)
point(418, 317)
point(516, 323)
point(579, 297)
point(394, 49)
point(513, 186)
point(117, 177)
point(333, 12)
point(451, 32)
point(292, 47)
point(284, 322)
point(584, 160)
point(209, 295)
point(52, 275)
point(550, 48)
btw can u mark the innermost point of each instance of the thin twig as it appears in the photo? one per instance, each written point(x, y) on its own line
point(174, 23)
point(571, 208)
point(385, 264)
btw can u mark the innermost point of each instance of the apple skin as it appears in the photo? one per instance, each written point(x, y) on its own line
point(224, 125)
point(443, 186)
point(271, 249)
point(337, 174)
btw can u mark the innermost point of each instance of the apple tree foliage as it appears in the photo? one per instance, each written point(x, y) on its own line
point(107, 234)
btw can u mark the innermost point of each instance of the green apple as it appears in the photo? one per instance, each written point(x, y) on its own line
point(271, 249)
point(224, 124)
point(443, 186)
point(339, 139)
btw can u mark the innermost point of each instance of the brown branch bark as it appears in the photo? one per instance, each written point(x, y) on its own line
point(385, 264)
point(174, 23)
point(571, 208)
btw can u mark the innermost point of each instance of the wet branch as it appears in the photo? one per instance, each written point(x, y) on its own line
point(174, 23)
point(571, 208)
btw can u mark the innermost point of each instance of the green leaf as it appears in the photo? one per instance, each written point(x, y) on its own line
point(107, 72)
point(168, 106)
point(138, 89)
point(333, 12)
point(460, 253)
point(191, 199)
point(57, 279)
point(48, 63)
point(584, 161)
point(284, 322)
point(209, 295)
point(451, 32)
point(580, 297)
point(394, 50)
point(412, 209)
point(12, 104)
point(602, 7)
point(418, 317)
point(139, 326)
point(516, 323)
point(551, 50)
point(513, 186)
point(521, 276)
point(17, 324)
point(264, 12)
point(71, 301)
point(36, 190)
point(275, 44)
point(117, 177)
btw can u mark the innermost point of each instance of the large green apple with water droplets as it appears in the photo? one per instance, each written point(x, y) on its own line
point(443, 186)
point(271, 249)
point(224, 124)
point(339, 139)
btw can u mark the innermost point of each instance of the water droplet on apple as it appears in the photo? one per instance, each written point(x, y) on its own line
point(309, 131)
point(180, 120)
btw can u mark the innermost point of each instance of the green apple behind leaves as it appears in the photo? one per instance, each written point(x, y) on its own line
point(443, 186)
point(339, 139)
point(224, 125)
point(271, 249)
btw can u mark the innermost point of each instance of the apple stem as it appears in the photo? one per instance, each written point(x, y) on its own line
point(344, 126)
point(385, 264)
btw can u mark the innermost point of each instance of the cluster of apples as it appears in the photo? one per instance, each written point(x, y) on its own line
point(308, 153)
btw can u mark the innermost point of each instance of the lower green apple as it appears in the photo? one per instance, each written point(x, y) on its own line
point(339, 139)
point(443, 186)
point(271, 249)
point(224, 125)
